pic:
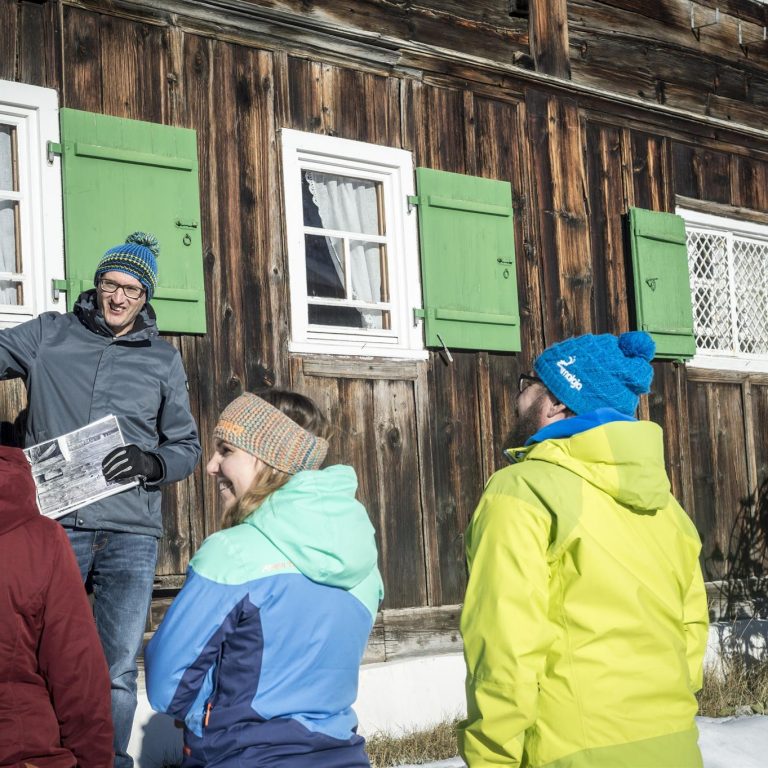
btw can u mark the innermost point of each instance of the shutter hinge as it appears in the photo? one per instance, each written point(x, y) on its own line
point(413, 200)
point(52, 148)
point(418, 314)
point(57, 286)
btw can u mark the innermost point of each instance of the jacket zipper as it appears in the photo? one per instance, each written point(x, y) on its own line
point(209, 703)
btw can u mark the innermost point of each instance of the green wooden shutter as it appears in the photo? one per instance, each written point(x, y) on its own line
point(120, 176)
point(467, 247)
point(662, 283)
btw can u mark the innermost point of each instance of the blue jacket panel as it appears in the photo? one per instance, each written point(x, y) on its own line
point(260, 661)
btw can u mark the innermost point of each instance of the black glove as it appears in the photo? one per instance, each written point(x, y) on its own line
point(129, 462)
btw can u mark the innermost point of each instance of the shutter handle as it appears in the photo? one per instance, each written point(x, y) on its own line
point(651, 282)
point(448, 355)
point(504, 261)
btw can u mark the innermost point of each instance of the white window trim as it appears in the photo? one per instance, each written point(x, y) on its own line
point(732, 361)
point(35, 113)
point(394, 169)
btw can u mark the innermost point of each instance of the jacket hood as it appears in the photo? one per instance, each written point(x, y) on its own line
point(317, 523)
point(18, 502)
point(87, 311)
point(625, 459)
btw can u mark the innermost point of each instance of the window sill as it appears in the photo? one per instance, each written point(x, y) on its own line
point(742, 365)
point(359, 368)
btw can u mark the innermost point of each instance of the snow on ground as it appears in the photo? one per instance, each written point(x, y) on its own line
point(729, 742)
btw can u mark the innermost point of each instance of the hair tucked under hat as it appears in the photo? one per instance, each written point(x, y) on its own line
point(589, 372)
point(136, 257)
point(257, 427)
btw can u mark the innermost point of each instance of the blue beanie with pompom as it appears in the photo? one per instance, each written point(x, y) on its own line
point(136, 257)
point(604, 371)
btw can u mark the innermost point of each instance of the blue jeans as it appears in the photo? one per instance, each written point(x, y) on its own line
point(122, 569)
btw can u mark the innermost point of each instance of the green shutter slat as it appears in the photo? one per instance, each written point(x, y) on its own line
point(475, 317)
point(178, 294)
point(467, 251)
point(138, 158)
point(120, 176)
point(468, 205)
point(661, 281)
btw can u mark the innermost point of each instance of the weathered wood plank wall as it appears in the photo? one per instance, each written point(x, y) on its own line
point(425, 437)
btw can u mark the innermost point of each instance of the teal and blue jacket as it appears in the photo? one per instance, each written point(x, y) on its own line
point(259, 653)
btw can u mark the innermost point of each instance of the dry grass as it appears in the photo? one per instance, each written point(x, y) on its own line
point(733, 687)
point(437, 743)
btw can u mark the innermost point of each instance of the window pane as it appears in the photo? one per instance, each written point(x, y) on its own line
point(325, 266)
point(337, 316)
point(750, 274)
point(9, 180)
point(344, 203)
point(708, 263)
point(11, 292)
point(377, 319)
point(10, 250)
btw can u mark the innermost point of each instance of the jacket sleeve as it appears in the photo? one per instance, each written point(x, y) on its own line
point(72, 662)
point(181, 656)
point(179, 448)
point(696, 621)
point(18, 348)
point(504, 626)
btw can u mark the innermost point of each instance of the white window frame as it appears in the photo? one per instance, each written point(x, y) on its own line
point(393, 168)
point(34, 112)
point(728, 227)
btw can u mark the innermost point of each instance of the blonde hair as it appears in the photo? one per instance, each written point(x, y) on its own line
point(307, 415)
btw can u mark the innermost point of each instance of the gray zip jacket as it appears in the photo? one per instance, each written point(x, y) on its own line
point(76, 372)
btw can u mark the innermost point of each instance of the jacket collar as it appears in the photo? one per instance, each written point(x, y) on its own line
point(87, 312)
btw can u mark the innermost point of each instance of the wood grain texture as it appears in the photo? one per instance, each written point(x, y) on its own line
point(720, 477)
point(9, 34)
point(608, 203)
point(701, 173)
point(549, 38)
point(561, 186)
point(751, 184)
point(39, 60)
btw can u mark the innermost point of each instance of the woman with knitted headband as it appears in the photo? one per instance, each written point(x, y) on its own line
point(260, 651)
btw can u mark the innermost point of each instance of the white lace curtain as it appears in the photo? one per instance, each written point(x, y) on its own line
point(351, 205)
point(7, 222)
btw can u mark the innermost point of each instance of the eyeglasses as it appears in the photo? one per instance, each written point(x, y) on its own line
point(526, 380)
point(132, 292)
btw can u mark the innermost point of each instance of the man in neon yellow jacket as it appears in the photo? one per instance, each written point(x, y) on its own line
point(585, 619)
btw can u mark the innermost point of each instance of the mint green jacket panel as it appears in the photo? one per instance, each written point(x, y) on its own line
point(585, 619)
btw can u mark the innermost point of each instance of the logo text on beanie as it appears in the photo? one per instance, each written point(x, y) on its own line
point(571, 378)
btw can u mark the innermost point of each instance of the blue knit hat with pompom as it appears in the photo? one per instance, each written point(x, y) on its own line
point(590, 372)
point(136, 257)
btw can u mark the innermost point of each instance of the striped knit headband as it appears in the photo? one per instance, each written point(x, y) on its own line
point(265, 432)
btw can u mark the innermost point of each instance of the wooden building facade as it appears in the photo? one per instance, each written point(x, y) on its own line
point(586, 107)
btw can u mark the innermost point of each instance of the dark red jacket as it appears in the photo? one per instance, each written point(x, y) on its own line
point(54, 683)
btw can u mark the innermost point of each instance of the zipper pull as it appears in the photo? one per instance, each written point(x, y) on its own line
point(208, 708)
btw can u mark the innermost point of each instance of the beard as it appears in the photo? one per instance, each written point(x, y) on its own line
point(527, 424)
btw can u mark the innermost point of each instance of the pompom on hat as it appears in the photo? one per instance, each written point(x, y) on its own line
point(605, 371)
point(136, 257)
point(258, 428)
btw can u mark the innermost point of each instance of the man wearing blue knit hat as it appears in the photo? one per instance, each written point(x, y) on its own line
point(106, 357)
point(585, 618)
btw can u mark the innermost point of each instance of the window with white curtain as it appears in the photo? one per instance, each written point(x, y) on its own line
point(728, 267)
point(352, 247)
point(31, 245)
